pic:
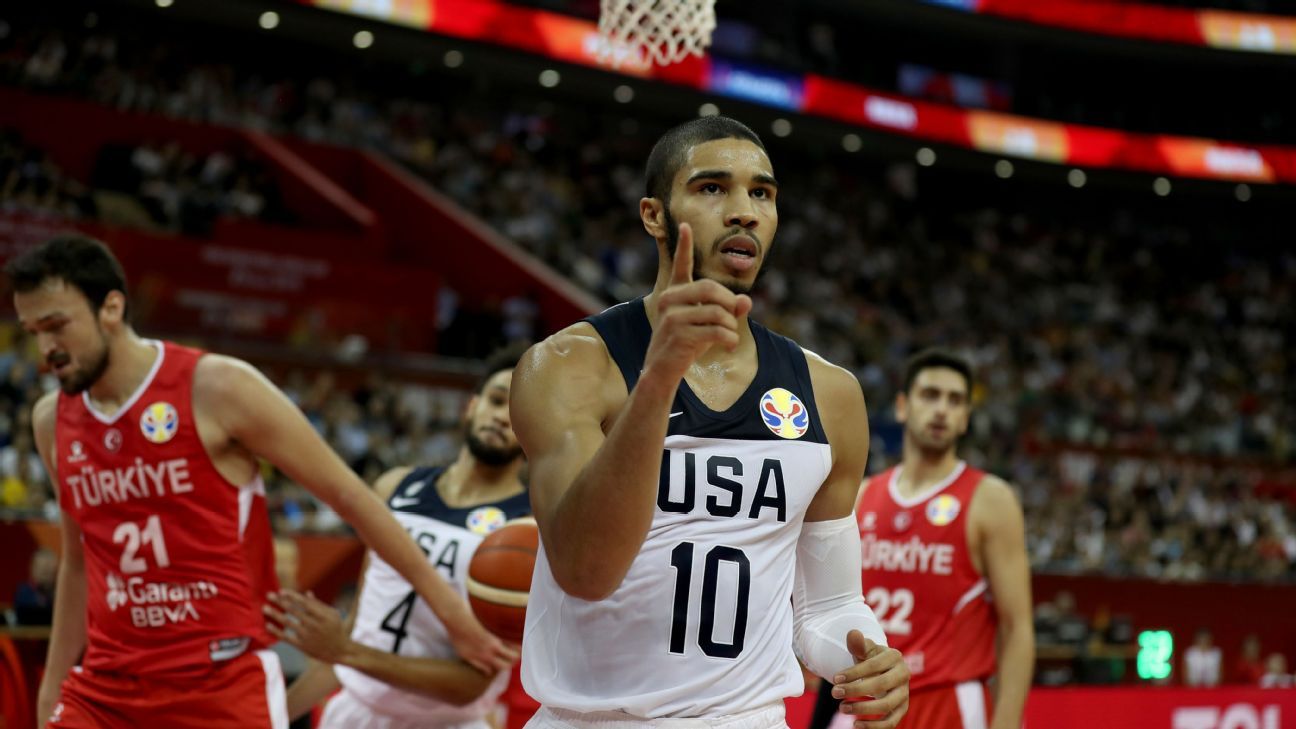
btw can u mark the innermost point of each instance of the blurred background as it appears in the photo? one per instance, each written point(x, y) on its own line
point(1090, 198)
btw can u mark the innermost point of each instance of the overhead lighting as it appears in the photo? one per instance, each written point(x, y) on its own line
point(623, 94)
point(708, 109)
point(1161, 186)
point(852, 142)
point(549, 78)
point(1077, 178)
point(164, 3)
point(781, 127)
point(1242, 192)
point(363, 39)
point(269, 20)
point(926, 156)
point(453, 59)
point(1004, 169)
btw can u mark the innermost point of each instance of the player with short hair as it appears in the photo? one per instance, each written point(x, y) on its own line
point(693, 476)
point(396, 667)
point(945, 565)
point(166, 542)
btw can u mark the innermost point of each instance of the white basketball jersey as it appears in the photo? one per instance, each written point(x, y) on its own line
point(391, 616)
point(702, 624)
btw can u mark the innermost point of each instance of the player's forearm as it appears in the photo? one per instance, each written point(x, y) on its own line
point(599, 526)
point(68, 630)
point(310, 689)
point(380, 531)
point(451, 681)
point(1016, 667)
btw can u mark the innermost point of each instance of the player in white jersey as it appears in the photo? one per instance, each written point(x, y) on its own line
point(397, 669)
point(693, 476)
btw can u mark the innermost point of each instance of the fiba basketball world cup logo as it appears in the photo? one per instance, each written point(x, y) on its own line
point(784, 414)
point(159, 422)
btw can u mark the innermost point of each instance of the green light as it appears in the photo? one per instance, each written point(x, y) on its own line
point(1156, 649)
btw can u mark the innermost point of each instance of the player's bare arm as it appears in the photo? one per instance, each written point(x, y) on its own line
point(320, 632)
point(68, 630)
point(319, 680)
point(240, 408)
point(1001, 535)
point(878, 671)
point(594, 451)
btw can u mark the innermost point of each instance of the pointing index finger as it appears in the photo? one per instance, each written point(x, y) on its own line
point(682, 265)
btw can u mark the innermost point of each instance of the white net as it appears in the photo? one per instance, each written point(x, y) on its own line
point(663, 31)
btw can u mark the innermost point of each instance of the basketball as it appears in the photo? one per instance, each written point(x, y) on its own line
point(499, 578)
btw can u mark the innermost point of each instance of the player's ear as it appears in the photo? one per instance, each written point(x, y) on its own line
point(653, 214)
point(901, 407)
point(470, 408)
point(112, 311)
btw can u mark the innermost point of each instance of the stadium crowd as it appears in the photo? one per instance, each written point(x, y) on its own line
point(1134, 377)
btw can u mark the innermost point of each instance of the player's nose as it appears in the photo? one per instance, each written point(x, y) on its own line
point(741, 213)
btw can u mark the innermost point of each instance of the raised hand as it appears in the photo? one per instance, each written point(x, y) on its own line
point(692, 316)
point(876, 689)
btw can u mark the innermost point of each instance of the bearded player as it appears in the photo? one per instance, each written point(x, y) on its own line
point(166, 541)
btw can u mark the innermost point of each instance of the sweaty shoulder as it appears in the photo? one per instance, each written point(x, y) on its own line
point(572, 368)
point(839, 397)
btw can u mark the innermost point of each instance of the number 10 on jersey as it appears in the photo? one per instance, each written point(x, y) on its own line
point(682, 561)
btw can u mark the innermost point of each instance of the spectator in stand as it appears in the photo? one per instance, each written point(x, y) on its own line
point(1202, 662)
point(34, 599)
point(1250, 668)
point(1276, 675)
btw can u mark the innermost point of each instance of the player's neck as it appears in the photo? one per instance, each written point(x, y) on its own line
point(469, 482)
point(130, 359)
point(715, 355)
point(922, 470)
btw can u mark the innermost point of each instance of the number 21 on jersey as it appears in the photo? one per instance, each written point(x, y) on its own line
point(130, 533)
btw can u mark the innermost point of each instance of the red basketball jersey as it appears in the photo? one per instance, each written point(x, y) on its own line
point(920, 581)
point(178, 559)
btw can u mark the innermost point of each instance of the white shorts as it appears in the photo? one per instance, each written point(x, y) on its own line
point(345, 711)
point(766, 717)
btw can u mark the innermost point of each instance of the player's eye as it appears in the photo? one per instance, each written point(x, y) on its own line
point(710, 188)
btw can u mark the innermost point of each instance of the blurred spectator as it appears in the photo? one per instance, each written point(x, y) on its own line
point(1202, 662)
point(1250, 668)
point(33, 601)
point(1276, 675)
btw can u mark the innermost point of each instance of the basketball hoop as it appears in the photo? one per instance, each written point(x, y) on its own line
point(664, 31)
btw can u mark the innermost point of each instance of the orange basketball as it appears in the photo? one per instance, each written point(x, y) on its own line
point(499, 577)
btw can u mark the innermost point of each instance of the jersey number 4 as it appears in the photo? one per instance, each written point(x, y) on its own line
point(682, 561)
point(134, 537)
point(893, 608)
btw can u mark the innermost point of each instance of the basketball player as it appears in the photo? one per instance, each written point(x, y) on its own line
point(398, 669)
point(691, 471)
point(166, 540)
point(945, 565)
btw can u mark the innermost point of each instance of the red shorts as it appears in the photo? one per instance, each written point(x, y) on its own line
point(958, 706)
point(246, 692)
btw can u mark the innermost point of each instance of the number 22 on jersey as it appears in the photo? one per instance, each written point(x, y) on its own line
point(892, 608)
point(134, 537)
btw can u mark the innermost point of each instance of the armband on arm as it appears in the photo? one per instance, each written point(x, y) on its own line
point(827, 599)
